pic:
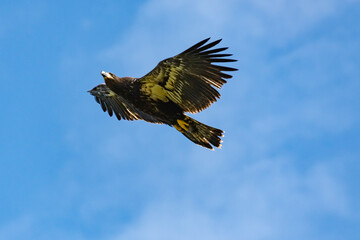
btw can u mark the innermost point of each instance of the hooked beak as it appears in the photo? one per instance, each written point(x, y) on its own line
point(106, 74)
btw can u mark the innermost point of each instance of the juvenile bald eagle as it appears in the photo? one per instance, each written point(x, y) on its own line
point(183, 83)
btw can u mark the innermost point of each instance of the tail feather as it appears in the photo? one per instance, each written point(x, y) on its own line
point(199, 133)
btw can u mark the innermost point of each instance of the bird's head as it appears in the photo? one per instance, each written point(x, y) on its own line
point(108, 77)
point(113, 81)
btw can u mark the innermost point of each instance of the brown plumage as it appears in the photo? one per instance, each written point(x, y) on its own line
point(184, 83)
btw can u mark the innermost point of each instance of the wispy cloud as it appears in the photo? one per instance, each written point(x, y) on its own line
point(277, 177)
point(268, 199)
point(250, 194)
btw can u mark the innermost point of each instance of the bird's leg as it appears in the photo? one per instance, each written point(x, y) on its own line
point(184, 125)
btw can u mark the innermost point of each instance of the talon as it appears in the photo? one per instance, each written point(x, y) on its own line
point(178, 128)
point(184, 125)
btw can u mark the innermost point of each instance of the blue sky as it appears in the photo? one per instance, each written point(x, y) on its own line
point(289, 166)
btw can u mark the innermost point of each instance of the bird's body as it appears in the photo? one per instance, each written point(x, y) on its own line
point(180, 84)
point(131, 90)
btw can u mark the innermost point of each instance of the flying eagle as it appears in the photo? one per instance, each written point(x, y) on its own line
point(183, 83)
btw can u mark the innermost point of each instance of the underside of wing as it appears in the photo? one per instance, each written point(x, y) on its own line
point(190, 78)
point(115, 104)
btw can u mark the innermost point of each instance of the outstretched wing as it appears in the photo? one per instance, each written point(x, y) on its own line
point(115, 104)
point(189, 78)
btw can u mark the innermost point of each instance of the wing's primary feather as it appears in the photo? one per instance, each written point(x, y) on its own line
point(115, 104)
point(189, 78)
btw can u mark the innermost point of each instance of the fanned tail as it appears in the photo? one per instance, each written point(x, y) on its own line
point(199, 133)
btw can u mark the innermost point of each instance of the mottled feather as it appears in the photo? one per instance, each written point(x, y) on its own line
point(189, 79)
point(187, 82)
point(113, 103)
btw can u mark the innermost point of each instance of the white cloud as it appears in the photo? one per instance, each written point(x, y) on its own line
point(250, 189)
point(240, 191)
point(161, 25)
point(268, 199)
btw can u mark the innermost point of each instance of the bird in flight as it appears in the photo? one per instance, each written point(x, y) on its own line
point(184, 83)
